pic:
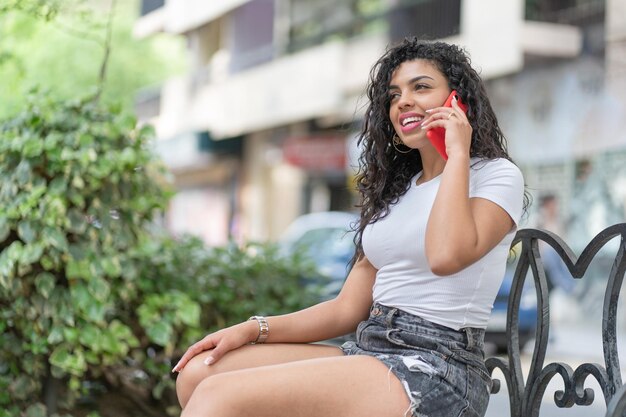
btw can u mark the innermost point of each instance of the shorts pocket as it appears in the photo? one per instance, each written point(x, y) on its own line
point(413, 340)
point(483, 375)
point(478, 392)
point(360, 328)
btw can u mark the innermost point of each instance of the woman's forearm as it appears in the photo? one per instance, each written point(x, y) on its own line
point(319, 322)
point(451, 231)
point(331, 318)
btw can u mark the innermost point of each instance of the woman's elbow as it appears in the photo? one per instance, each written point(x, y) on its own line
point(443, 264)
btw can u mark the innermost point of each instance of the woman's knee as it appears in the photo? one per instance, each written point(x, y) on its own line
point(213, 395)
point(188, 379)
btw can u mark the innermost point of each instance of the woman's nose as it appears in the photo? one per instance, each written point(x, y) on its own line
point(405, 101)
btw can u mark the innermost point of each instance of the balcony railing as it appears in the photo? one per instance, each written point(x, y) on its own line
point(572, 12)
point(428, 19)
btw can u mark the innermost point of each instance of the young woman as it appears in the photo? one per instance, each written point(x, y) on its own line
point(432, 245)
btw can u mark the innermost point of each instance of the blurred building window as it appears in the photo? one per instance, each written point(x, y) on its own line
point(575, 12)
point(148, 6)
point(425, 19)
point(252, 35)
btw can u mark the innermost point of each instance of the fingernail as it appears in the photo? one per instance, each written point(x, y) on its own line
point(209, 360)
point(175, 369)
point(429, 110)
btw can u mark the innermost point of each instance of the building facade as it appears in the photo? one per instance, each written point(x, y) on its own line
point(262, 127)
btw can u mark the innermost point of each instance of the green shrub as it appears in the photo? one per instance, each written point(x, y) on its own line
point(94, 304)
point(186, 290)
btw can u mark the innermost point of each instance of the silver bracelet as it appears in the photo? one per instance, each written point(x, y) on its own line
point(264, 329)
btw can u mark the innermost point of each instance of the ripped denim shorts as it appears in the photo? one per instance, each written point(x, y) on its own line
point(441, 369)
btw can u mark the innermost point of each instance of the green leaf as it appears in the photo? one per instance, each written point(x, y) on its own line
point(160, 333)
point(122, 332)
point(78, 253)
point(57, 186)
point(89, 337)
point(52, 141)
point(45, 283)
point(128, 157)
point(26, 231)
point(76, 197)
point(23, 173)
point(111, 266)
point(74, 383)
point(61, 356)
point(77, 221)
point(48, 262)
point(54, 237)
point(78, 269)
point(67, 154)
point(70, 361)
point(99, 288)
point(112, 345)
point(80, 295)
point(70, 334)
point(22, 386)
point(36, 410)
point(5, 229)
point(95, 311)
point(55, 336)
point(8, 191)
point(78, 182)
point(88, 156)
point(189, 313)
point(31, 253)
point(6, 269)
point(32, 147)
point(14, 251)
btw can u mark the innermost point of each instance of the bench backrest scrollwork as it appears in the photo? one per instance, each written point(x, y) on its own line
point(525, 396)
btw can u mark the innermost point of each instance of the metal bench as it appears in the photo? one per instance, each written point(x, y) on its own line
point(525, 396)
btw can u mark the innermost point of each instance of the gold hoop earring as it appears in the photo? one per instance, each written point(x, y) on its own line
point(395, 141)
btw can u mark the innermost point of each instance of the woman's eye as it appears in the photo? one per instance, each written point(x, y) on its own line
point(420, 86)
point(393, 96)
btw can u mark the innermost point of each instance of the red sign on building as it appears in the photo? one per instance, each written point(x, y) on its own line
point(316, 153)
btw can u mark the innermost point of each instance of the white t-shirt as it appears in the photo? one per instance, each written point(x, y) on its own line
point(395, 246)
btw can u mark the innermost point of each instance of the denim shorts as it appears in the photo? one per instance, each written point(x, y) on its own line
point(441, 369)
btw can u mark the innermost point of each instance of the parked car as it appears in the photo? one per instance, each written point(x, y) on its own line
point(496, 329)
point(327, 238)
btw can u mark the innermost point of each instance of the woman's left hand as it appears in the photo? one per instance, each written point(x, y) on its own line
point(458, 129)
point(220, 343)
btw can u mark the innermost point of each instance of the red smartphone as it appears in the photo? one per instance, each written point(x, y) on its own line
point(437, 135)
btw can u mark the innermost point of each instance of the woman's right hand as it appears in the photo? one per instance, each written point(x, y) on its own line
point(220, 343)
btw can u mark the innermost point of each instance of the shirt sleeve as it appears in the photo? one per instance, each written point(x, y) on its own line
point(501, 182)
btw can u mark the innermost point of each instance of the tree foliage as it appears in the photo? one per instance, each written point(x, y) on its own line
point(92, 299)
point(59, 45)
point(45, 9)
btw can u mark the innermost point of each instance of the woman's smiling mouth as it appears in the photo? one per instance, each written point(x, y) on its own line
point(410, 121)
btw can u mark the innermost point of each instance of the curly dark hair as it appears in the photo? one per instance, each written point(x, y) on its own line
point(384, 174)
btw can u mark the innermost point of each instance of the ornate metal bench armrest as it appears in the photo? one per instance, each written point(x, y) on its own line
point(617, 405)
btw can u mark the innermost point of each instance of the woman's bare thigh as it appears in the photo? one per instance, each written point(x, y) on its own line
point(249, 356)
point(346, 386)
